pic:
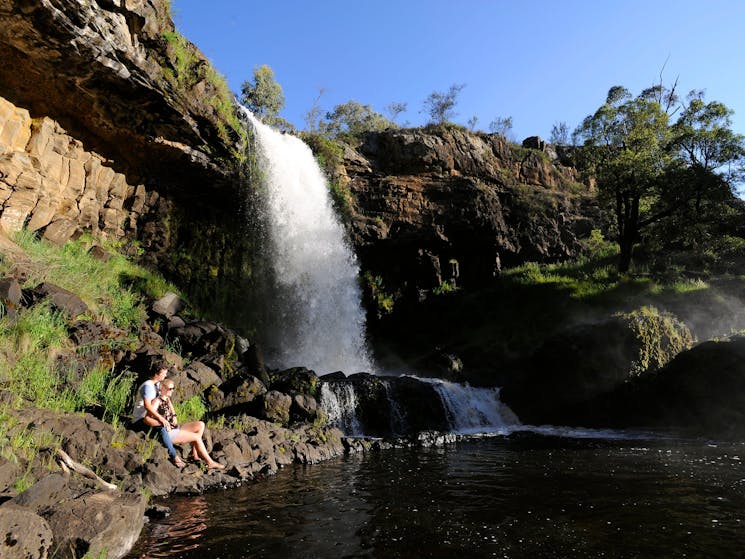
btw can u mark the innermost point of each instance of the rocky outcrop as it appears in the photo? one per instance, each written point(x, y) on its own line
point(50, 183)
point(116, 77)
point(700, 392)
point(446, 205)
point(112, 123)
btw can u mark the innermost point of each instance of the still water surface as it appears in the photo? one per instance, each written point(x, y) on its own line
point(523, 496)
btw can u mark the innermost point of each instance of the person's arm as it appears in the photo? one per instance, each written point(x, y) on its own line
point(173, 412)
point(151, 405)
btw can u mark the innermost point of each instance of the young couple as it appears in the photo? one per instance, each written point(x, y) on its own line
point(154, 409)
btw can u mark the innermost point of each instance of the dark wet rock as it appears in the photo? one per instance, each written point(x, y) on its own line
point(387, 406)
point(700, 392)
point(587, 361)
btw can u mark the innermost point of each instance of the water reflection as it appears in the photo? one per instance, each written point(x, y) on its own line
point(523, 497)
point(179, 533)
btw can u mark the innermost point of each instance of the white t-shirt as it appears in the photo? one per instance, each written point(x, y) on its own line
point(146, 391)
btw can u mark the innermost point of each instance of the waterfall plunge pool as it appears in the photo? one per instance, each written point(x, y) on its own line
point(527, 495)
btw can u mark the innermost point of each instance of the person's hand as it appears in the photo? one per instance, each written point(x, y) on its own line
point(166, 425)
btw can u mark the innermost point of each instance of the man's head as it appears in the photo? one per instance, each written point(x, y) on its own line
point(160, 373)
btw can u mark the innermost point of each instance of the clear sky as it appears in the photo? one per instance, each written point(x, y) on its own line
point(538, 61)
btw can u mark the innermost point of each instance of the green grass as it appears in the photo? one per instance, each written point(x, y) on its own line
point(115, 291)
point(192, 409)
point(39, 363)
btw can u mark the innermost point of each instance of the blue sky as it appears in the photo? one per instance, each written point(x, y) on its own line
point(537, 61)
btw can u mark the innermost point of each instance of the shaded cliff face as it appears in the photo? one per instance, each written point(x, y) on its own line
point(453, 206)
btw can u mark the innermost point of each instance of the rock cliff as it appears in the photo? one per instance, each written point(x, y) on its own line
point(113, 123)
point(446, 205)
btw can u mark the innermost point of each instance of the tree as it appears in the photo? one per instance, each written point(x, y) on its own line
point(472, 123)
point(394, 109)
point(440, 106)
point(263, 95)
point(649, 170)
point(312, 116)
point(501, 125)
point(353, 118)
point(559, 134)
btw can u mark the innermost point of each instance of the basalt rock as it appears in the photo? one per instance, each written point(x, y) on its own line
point(588, 361)
point(445, 205)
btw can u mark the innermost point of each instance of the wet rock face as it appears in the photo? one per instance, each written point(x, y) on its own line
point(449, 205)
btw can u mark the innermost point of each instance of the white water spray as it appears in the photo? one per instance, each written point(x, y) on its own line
point(316, 319)
point(473, 410)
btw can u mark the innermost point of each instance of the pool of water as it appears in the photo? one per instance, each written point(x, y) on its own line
point(525, 495)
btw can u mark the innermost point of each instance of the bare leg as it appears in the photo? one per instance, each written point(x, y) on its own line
point(184, 436)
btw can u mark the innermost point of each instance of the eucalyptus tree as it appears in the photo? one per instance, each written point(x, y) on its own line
point(650, 169)
point(440, 106)
point(263, 96)
point(353, 118)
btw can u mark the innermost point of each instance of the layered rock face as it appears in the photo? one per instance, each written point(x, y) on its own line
point(449, 205)
point(112, 123)
point(50, 183)
point(100, 69)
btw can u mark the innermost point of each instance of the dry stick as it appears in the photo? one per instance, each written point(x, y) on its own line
point(68, 463)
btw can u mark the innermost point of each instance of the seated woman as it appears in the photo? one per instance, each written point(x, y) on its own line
point(145, 415)
point(188, 432)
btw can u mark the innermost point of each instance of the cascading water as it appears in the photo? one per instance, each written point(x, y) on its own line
point(473, 409)
point(464, 409)
point(316, 319)
point(340, 405)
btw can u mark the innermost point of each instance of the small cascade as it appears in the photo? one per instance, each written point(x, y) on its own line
point(340, 404)
point(314, 317)
point(471, 410)
point(392, 406)
point(398, 420)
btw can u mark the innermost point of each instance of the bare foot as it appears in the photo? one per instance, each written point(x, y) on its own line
point(215, 466)
point(176, 461)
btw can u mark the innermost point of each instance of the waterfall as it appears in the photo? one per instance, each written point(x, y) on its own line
point(315, 318)
point(340, 405)
point(462, 408)
point(472, 409)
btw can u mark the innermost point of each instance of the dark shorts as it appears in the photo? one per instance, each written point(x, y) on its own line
point(140, 426)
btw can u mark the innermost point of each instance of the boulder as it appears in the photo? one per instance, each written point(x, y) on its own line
point(83, 518)
point(10, 296)
point(583, 362)
point(277, 407)
point(304, 408)
point(239, 394)
point(700, 392)
point(168, 305)
point(297, 379)
point(61, 299)
point(25, 535)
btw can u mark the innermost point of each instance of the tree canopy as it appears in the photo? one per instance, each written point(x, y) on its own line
point(263, 96)
point(649, 169)
point(440, 106)
point(353, 118)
